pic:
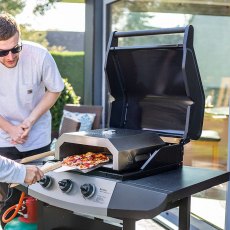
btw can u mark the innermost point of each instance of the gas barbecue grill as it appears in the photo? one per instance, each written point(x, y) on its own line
point(157, 92)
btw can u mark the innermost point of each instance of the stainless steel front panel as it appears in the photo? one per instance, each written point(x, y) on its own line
point(74, 200)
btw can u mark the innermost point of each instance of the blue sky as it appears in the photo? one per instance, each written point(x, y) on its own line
point(62, 17)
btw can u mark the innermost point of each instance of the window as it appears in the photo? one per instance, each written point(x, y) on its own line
point(211, 43)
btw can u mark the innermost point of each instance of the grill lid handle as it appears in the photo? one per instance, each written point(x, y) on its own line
point(149, 32)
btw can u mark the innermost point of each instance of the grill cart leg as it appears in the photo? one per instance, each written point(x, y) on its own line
point(129, 224)
point(184, 213)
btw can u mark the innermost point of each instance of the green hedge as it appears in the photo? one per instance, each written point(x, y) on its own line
point(71, 66)
point(67, 97)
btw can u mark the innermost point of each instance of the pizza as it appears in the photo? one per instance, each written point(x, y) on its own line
point(86, 160)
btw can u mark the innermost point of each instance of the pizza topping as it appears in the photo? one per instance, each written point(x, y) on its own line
point(85, 161)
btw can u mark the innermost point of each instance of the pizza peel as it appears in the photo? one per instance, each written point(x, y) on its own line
point(65, 168)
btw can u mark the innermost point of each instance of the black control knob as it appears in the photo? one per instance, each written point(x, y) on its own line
point(45, 182)
point(88, 190)
point(65, 185)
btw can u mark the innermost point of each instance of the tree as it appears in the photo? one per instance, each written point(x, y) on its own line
point(41, 8)
point(134, 15)
point(12, 6)
point(15, 7)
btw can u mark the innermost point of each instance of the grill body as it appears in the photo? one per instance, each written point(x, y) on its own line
point(154, 92)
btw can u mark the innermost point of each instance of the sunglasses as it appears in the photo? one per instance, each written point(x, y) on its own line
point(14, 50)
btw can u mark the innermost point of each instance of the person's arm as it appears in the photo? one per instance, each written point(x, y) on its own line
point(14, 131)
point(19, 134)
point(13, 172)
point(43, 106)
point(54, 85)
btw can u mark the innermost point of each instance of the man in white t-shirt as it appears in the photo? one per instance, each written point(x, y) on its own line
point(30, 84)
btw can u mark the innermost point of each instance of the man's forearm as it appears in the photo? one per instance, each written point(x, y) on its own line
point(4, 124)
point(14, 131)
point(43, 106)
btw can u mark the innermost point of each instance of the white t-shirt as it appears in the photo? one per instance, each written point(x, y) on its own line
point(21, 89)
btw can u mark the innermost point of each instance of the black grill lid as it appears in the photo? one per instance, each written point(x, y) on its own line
point(156, 87)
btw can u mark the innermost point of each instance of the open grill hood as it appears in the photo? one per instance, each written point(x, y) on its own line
point(156, 88)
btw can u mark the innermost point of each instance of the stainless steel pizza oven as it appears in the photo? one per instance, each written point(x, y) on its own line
point(126, 147)
point(156, 91)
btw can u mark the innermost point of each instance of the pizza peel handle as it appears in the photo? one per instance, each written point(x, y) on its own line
point(45, 169)
point(51, 167)
point(36, 157)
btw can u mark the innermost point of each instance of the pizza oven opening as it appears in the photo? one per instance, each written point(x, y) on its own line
point(134, 160)
point(68, 149)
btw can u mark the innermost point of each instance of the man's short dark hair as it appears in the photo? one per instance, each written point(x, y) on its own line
point(8, 26)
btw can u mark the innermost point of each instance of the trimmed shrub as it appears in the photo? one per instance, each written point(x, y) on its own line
point(71, 66)
point(67, 96)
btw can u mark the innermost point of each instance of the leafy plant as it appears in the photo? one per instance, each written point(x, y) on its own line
point(67, 96)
